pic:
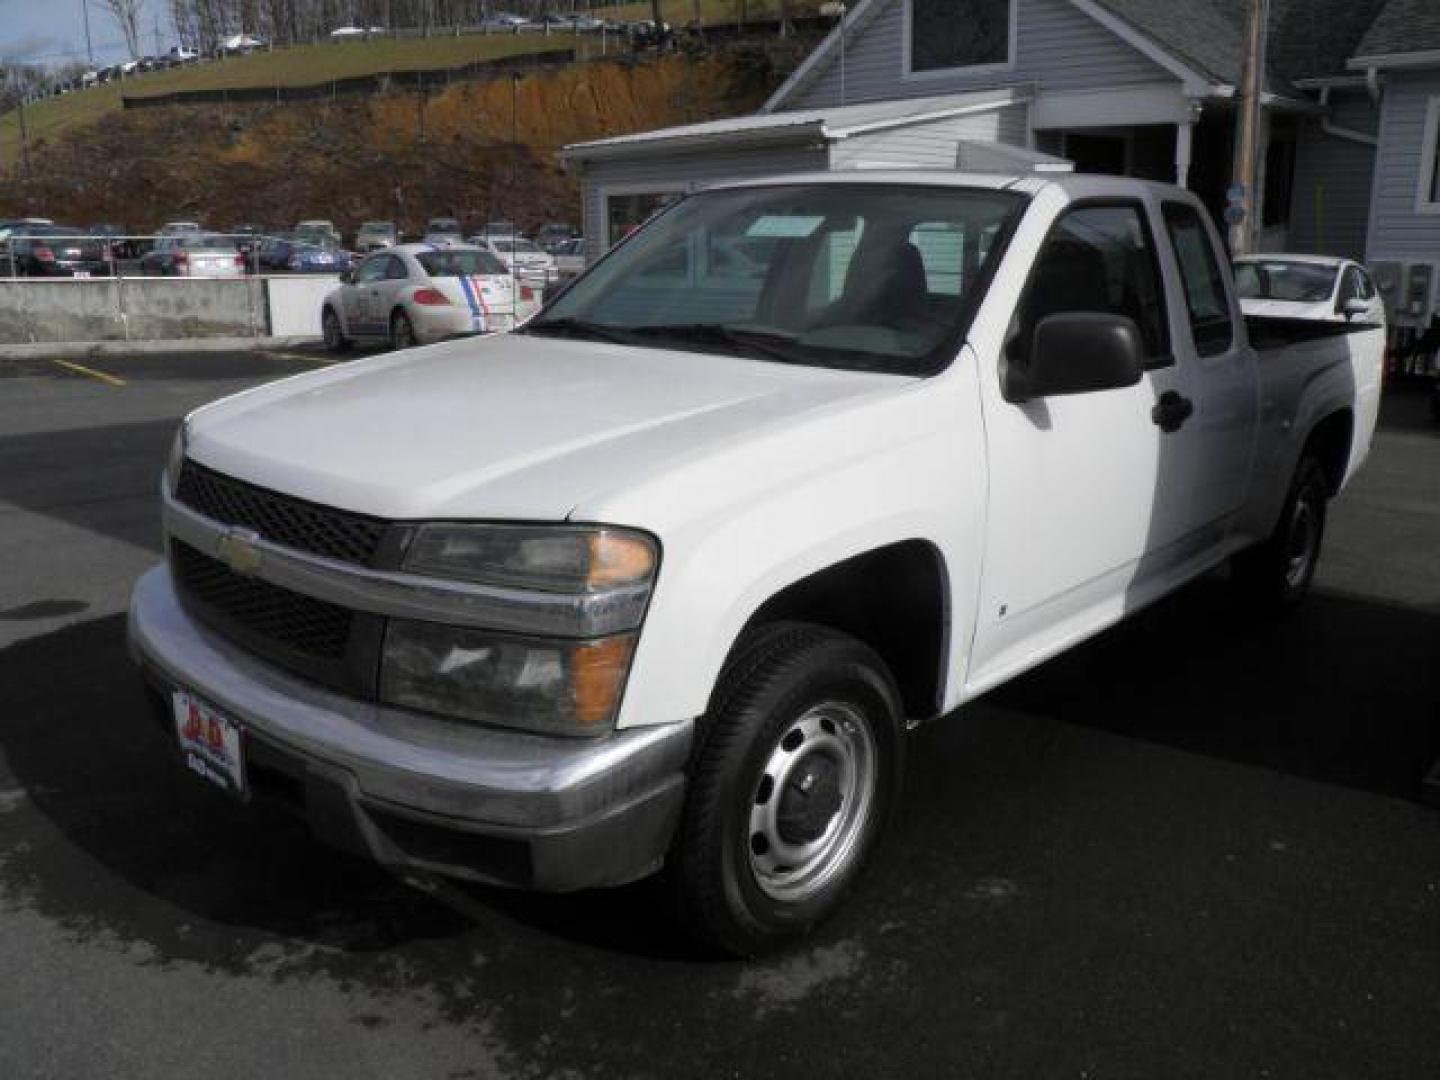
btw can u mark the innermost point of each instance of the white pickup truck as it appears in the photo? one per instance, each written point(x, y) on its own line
point(665, 577)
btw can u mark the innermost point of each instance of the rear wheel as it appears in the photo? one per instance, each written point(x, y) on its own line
point(335, 339)
point(1274, 576)
point(792, 785)
point(402, 331)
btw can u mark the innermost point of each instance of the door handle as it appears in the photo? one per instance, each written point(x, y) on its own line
point(1171, 411)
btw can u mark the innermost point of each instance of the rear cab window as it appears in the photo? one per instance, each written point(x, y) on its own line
point(1206, 302)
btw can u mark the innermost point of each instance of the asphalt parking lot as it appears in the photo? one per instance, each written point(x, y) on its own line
point(1195, 847)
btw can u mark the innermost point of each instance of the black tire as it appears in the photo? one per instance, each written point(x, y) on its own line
point(335, 340)
point(831, 701)
point(402, 331)
point(1273, 577)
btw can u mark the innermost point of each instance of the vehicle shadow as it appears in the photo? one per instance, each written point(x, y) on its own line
point(1344, 690)
point(82, 749)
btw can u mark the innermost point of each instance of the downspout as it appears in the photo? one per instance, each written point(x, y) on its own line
point(1349, 134)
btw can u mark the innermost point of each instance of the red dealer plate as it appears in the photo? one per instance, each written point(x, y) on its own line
point(210, 743)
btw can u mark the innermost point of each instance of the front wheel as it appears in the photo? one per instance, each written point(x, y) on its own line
point(402, 331)
point(1275, 575)
point(796, 774)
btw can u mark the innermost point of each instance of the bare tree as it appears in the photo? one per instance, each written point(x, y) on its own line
point(126, 14)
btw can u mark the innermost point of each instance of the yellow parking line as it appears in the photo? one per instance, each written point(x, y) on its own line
point(113, 380)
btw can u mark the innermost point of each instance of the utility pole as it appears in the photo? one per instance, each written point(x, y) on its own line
point(1243, 200)
point(89, 49)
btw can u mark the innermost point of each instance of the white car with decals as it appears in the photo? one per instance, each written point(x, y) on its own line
point(417, 294)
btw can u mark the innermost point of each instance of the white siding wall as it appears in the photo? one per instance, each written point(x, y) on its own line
point(1059, 48)
point(1396, 230)
point(1331, 205)
point(682, 172)
point(931, 144)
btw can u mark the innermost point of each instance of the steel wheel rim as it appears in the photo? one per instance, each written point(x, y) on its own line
point(1303, 536)
point(791, 871)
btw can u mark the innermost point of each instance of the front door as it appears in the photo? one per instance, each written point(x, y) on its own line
point(1097, 500)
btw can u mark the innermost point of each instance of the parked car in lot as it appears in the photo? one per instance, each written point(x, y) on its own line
point(668, 576)
point(319, 226)
point(569, 258)
point(173, 227)
point(443, 230)
point(53, 251)
point(1307, 287)
point(193, 254)
point(117, 239)
point(297, 254)
point(416, 294)
point(374, 235)
point(522, 257)
point(553, 233)
point(9, 225)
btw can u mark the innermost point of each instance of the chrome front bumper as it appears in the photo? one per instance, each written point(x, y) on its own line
point(417, 791)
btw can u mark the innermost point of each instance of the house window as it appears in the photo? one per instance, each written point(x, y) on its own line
point(1427, 197)
point(626, 213)
point(946, 34)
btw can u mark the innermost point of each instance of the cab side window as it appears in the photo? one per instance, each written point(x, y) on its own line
point(395, 268)
point(1205, 298)
point(1099, 259)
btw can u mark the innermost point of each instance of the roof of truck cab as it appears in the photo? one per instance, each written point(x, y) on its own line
point(1076, 185)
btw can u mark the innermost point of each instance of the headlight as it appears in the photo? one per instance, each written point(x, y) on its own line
point(586, 585)
point(549, 686)
point(176, 459)
point(550, 558)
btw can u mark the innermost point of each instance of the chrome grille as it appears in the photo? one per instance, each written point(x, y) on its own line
point(281, 519)
point(265, 613)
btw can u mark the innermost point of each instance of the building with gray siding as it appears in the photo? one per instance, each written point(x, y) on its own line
point(1149, 88)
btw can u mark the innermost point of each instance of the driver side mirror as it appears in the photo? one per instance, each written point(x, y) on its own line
point(347, 277)
point(1076, 352)
point(1353, 307)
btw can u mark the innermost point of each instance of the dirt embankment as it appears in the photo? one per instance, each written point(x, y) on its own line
point(482, 151)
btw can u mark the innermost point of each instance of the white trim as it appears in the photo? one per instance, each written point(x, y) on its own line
point(1196, 84)
point(1145, 103)
point(1007, 98)
point(907, 29)
point(850, 24)
point(1427, 199)
point(1423, 58)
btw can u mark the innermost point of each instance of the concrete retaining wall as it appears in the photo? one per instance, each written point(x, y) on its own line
point(136, 309)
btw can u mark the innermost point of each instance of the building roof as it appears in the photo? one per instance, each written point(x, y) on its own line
point(1308, 38)
point(762, 129)
point(1403, 26)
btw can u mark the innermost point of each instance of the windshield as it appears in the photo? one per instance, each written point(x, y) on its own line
point(509, 244)
point(207, 240)
point(1306, 283)
point(453, 263)
point(864, 276)
point(444, 224)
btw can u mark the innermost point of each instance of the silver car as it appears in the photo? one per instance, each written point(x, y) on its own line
point(524, 259)
point(376, 235)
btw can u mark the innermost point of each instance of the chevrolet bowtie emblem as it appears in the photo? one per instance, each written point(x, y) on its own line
point(237, 549)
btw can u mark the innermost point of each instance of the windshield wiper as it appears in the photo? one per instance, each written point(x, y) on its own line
point(771, 346)
point(581, 328)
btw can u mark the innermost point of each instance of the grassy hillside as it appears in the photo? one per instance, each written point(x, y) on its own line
point(303, 65)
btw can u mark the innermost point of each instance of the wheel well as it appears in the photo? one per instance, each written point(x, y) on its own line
point(1329, 442)
point(894, 599)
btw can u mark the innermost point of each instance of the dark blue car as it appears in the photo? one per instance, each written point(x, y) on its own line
point(311, 254)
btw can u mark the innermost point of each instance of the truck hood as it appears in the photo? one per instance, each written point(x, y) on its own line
point(506, 427)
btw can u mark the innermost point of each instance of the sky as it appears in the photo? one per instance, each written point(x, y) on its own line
point(53, 31)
